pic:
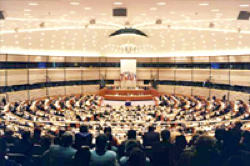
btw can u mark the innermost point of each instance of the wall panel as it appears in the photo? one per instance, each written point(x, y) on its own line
point(201, 75)
point(167, 74)
point(17, 77)
point(56, 59)
point(167, 89)
point(218, 93)
point(2, 57)
point(90, 89)
point(73, 59)
point(220, 76)
point(183, 90)
point(17, 58)
point(34, 58)
point(219, 58)
point(91, 59)
point(201, 59)
point(240, 77)
point(239, 58)
point(143, 74)
point(18, 96)
point(183, 75)
point(37, 76)
point(2, 78)
point(197, 91)
point(167, 60)
point(73, 90)
point(37, 93)
point(56, 74)
point(73, 74)
point(113, 73)
point(183, 59)
point(56, 91)
point(90, 74)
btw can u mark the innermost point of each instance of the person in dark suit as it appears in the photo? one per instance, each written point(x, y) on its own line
point(150, 137)
point(163, 153)
point(83, 138)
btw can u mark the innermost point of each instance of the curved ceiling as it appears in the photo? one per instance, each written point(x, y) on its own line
point(82, 27)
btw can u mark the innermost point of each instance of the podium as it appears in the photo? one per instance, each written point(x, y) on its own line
point(128, 84)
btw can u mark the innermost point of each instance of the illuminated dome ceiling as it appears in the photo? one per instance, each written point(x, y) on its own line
point(82, 27)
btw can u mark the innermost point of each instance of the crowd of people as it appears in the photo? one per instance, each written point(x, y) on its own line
point(229, 147)
point(176, 131)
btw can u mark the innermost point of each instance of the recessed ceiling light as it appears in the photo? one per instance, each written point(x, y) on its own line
point(118, 3)
point(87, 8)
point(153, 8)
point(215, 10)
point(33, 4)
point(103, 14)
point(27, 10)
point(244, 5)
point(74, 3)
point(161, 3)
point(204, 4)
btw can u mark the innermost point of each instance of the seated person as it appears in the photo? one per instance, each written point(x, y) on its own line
point(100, 156)
point(83, 138)
point(60, 155)
point(3, 160)
point(150, 137)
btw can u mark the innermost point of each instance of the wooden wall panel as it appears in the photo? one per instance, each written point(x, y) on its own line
point(184, 59)
point(73, 59)
point(91, 59)
point(2, 57)
point(233, 96)
point(201, 59)
point(167, 60)
point(240, 77)
point(17, 77)
point(17, 58)
point(56, 91)
point(113, 59)
point(167, 89)
point(220, 76)
point(73, 74)
point(197, 91)
point(167, 74)
point(90, 89)
point(73, 90)
point(91, 74)
point(239, 58)
point(113, 73)
point(34, 58)
point(56, 74)
point(183, 90)
point(219, 58)
point(56, 59)
point(200, 75)
point(183, 75)
point(218, 93)
point(18, 96)
point(2, 78)
point(37, 93)
point(143, 74)
point(37, 76)
point(143, 60)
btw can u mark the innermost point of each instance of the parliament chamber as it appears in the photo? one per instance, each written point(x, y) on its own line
point(124, 83)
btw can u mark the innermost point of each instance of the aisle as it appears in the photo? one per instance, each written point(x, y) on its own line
point(133, 103)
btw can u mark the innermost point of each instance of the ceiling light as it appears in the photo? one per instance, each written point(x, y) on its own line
point(87, 8)
point(215, 10)
point(118, 3)
point(103, 14)
point(204, 4)
point(244, 5)
point(33, 4)
point(153, 8)
point(74, 3)
point(161, 3)
point(27, 10)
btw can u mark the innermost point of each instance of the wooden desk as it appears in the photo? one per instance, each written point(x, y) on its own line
point(132, 95)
